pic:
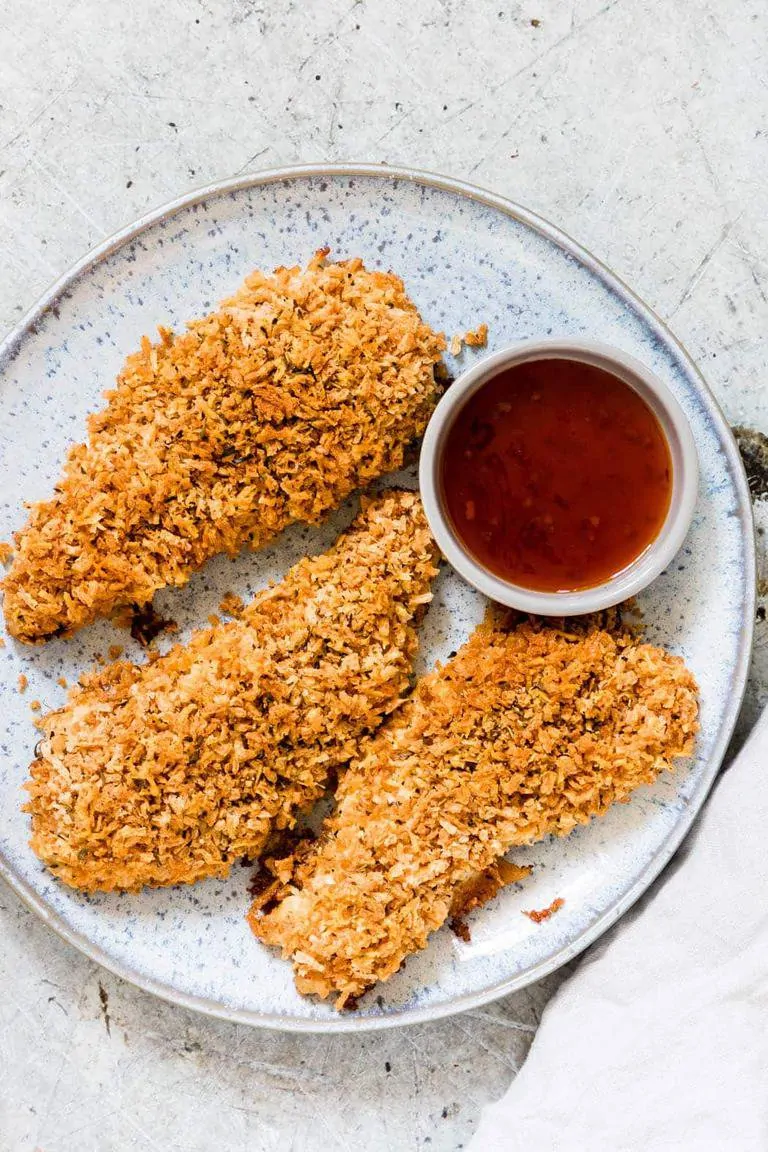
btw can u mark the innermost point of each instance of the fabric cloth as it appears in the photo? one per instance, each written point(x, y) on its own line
point(659, 1041)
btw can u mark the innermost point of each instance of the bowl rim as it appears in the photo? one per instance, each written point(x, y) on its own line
point(654, 558)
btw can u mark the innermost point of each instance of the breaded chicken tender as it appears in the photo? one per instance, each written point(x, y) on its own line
point(302, 387)
point(168, 772)
point(527, 733)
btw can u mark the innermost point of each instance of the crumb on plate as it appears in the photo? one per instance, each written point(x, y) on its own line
point(539, 915)
point(477, 337)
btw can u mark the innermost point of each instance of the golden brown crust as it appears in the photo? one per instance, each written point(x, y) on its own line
point(526, 733)
point(304, 386)
point(166, 773)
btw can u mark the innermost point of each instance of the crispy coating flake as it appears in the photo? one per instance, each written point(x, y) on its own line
point(168, 772)
point(525, 734)
point(539, 915)
point(304, 386)
point(477, 337)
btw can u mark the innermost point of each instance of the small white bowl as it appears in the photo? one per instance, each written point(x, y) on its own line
point(647, 566)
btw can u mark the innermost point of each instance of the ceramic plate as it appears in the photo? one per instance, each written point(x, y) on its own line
point(466, 257)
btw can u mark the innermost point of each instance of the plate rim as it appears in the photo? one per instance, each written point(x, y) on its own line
point(11, 345)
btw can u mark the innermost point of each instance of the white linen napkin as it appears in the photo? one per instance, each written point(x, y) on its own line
point(659, 1040)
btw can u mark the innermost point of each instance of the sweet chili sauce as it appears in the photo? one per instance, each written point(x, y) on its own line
point(556, 475)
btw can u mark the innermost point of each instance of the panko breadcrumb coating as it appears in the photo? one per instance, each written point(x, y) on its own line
point(477, 337)
point(302, 387)
point(527, 733)
point(168, 772)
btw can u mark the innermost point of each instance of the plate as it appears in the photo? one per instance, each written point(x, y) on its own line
point(467, 257)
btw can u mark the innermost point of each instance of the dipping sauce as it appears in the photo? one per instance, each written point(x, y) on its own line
point(556, 475)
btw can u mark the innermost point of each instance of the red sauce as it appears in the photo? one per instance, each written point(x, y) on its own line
point(556, 475)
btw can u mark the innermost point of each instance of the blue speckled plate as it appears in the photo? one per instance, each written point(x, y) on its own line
point(466, 257)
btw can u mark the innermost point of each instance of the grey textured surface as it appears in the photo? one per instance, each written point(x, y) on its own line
point(639, 128)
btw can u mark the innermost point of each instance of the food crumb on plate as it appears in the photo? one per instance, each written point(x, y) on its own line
point(23, 682)
point(473, 338)
point(6, 551)
point(538, 915)
point(35, 705)
point(62, 682)
point(115, 651)
point(477, 337)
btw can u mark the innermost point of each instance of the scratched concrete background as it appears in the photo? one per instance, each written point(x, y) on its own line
point(638, 126)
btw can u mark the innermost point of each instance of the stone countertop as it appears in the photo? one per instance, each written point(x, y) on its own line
point(637, 127)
